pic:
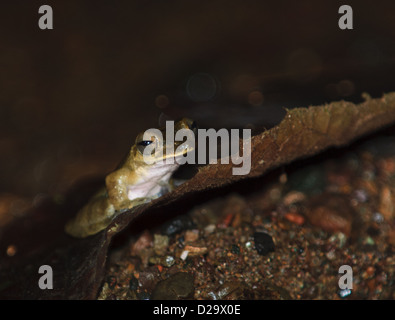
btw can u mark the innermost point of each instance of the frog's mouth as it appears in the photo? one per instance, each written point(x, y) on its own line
point(163, 149)
point(180, 150)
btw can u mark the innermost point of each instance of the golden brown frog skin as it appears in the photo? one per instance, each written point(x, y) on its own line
point(134, 182)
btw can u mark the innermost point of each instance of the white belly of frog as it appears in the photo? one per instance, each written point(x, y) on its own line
point(154, 184)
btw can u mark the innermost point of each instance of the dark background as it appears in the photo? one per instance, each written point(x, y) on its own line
point(73, 99)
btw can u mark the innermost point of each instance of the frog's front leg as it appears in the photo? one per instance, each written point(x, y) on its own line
point(116, 184)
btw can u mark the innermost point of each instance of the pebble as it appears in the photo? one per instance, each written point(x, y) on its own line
point(210, 228)
point(295, 218)
point(144, 241)
point(331, 212)
point(166, 261)
point(225, 289)
point(161, 244)
point(386, 206)
point(184, 255)
point(195, 251)
point(233, 290)
point(378, 217)
point(293, 197)
point(369, 241)
point(263, 243)
point(191, 235)
point(344, 293)
point(225, 222)
point(360, 195)
point(177, 225)
point(148, 278)
point(339, 238)
point(331, 255)
point(178, 286)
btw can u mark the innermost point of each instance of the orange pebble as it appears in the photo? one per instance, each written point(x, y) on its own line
point(226, 221)
point(295, 218)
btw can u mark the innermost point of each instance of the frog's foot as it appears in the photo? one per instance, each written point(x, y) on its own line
point(137, 202)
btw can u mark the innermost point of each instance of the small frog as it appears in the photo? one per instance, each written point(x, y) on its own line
point(134, 182)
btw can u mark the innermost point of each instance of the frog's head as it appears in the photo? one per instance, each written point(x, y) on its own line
point(157, 145)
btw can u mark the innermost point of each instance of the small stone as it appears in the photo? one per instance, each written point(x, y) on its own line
point(339, 238)
point(361, 195)
point(331, 255)
point(148, 278)
point(293, 197)
point(344, 293)
point(167, 261)
point(386, 206)
point(225, 222)
point(184, 255)
point(143, 242)
point(177, 225)
point(378, 217)
point(178, 286)
point(191, 235)
point(232, 290)
point(161, 244)
point(369, 241)
point(196, 251)
point(294, 218)
point(210, 228)
point(263, 243)
point(331, 212)
point(212, 295)
point(225, 289)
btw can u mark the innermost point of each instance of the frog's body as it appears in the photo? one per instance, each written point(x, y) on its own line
point(133, 183)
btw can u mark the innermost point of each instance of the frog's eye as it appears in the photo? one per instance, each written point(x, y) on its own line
point(142, 144)
point(145, 143)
